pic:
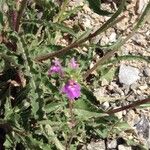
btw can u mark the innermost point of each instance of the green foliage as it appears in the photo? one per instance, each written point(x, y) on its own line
point(34, 113)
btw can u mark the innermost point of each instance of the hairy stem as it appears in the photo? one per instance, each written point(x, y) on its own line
point(130, 106)
point(72, 122)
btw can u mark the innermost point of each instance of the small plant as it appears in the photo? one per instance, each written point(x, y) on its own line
point(46, 101)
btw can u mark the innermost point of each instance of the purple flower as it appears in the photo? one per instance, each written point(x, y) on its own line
point(56, 68)
point(73, 64)
point(72, 89)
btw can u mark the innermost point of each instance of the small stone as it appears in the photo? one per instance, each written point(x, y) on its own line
point(139, 39)
point(126, 89)
point(143, 87)
point(105, 105)
point(122, 147)
point(99, 93)
point(128, 75)
point(104, 40)
point(112, 37)
point(147, 72)
point(119, 115)
point(142, 127)
point(86, 21)
point(134, 86)
point(96, 145)
point(96, 39)
point(112, 144)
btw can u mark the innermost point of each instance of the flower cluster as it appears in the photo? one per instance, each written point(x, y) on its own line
point(56, 68)
point(72, 89)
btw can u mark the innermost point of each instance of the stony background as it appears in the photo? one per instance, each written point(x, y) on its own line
point(133, 80)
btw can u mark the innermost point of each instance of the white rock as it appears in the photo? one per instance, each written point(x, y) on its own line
point(128, 75)
point(100, 92)
point(104, 40)
point(87, 22)
point(105, 105)
point(112, 144)
point(122, 147)
point(112, 37)
point(96, 146)
point(147, 72)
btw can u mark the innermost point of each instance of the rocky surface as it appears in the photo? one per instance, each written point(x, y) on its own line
point(133, 77)
point(128, 75)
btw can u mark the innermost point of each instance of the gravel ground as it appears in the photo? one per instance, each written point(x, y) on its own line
point(133, 80)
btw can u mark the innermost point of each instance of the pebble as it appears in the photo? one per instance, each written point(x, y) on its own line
point(146, 72)
point(143, 87)
point(134, 86)
point(87, 23)
point(100, 145)
point(128, 75)
point(98, 93)
point(96, 39)
point(139, 39)
point(122, 147)
point(112, 37)
point(104, 40)
point(119, 115)
point(105, 105)
point(142, 127)
point(112, 144)
point(126, 89)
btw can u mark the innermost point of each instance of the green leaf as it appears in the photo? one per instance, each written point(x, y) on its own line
point(96, 6)
point(108, 73)
point(86, 115)
point(122, 126)
point(102, 132)
point(54, 106)
point(35, 144)
point(84, 109)
point(1, 19)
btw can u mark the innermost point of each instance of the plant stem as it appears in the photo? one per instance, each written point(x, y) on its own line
point(103, 28)
point(72, 125)
point(71, 112)
point(20, 13)
point(133, 105)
